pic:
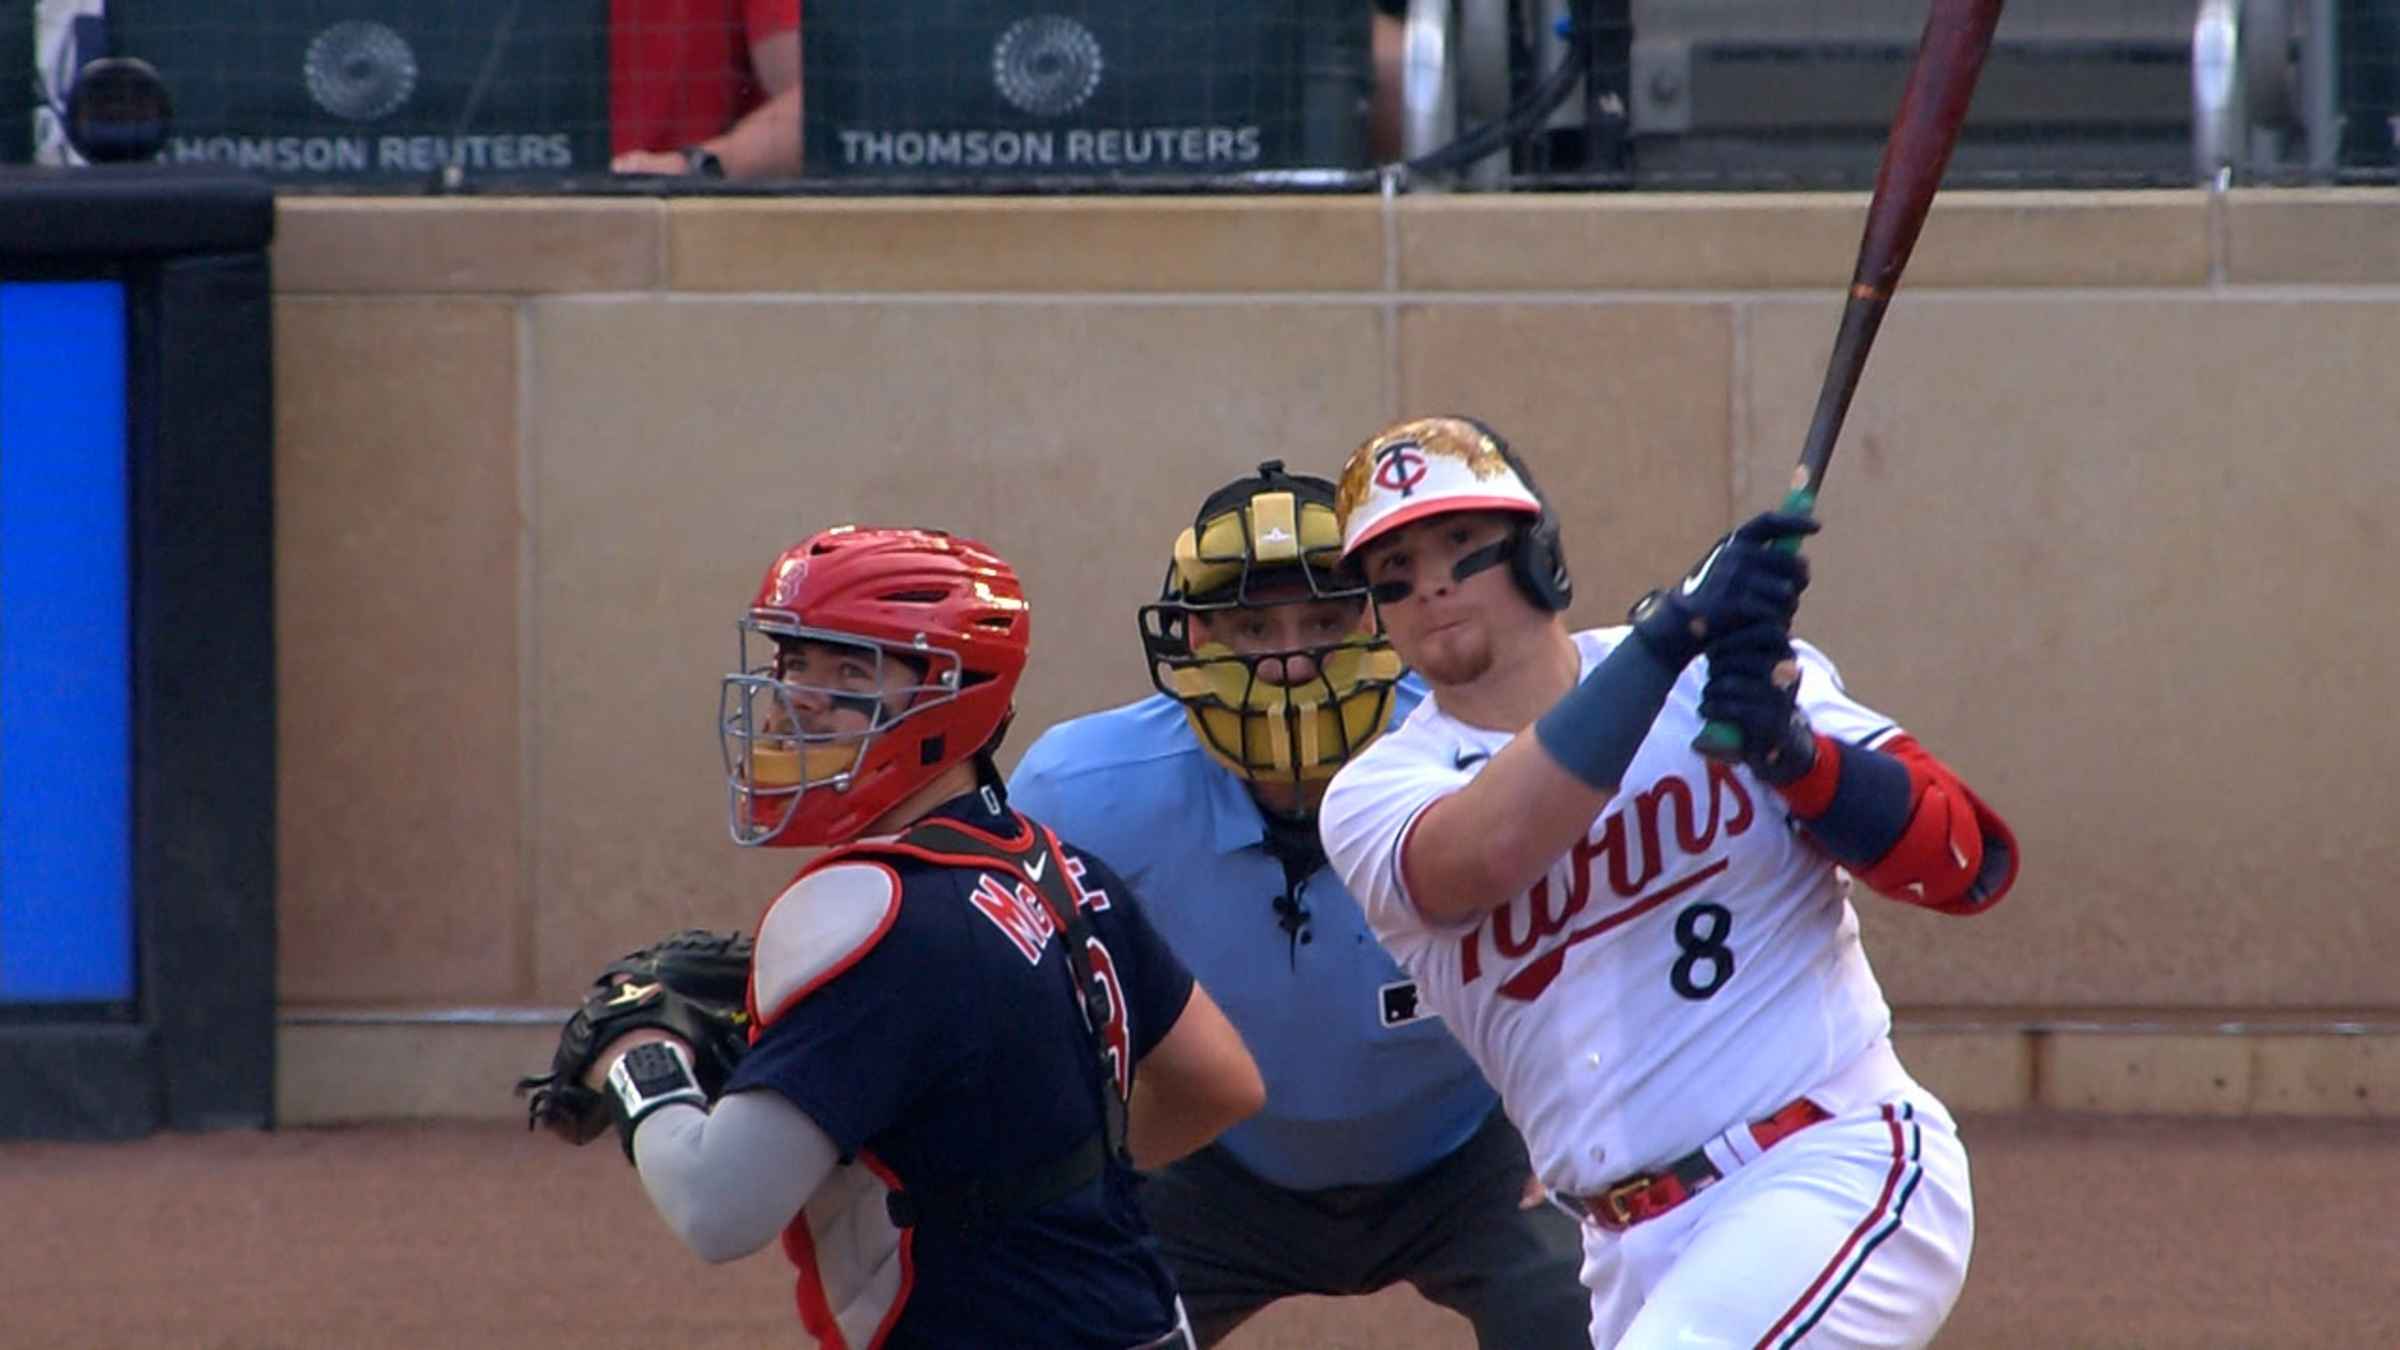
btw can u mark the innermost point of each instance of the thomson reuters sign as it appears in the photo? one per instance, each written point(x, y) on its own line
point(1049, 67)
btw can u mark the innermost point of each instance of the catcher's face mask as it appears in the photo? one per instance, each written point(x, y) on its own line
point(1271, 654)
point(804, 717)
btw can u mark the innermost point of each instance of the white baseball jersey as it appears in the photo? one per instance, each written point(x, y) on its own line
point(1693, 964)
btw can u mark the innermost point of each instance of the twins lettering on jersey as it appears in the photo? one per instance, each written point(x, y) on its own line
point(1670, 822)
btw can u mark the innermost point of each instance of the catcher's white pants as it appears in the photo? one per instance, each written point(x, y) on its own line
point(1852, 1232)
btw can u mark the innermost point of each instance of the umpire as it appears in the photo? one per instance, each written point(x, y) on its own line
point(1381, 1155)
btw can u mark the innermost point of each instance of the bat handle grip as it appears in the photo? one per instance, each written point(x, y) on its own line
point(1720, 740)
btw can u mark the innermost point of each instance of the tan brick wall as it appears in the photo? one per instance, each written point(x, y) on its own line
point(2101, 529)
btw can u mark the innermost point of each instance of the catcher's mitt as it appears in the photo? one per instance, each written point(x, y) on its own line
point(693, 984)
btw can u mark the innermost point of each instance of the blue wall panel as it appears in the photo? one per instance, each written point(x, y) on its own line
point(66, 752)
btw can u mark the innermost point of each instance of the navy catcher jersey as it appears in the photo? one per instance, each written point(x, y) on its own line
point(946, 1048)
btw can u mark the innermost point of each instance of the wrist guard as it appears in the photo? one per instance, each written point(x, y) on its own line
point(1595, 731)
point(653, 1074)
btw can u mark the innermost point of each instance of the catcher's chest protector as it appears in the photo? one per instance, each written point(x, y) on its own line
point(1034, 860)
point(855, 1244)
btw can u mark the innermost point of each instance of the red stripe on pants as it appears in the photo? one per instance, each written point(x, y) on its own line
point(1883, 1205)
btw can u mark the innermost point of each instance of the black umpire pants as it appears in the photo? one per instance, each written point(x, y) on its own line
point(1454, 1231)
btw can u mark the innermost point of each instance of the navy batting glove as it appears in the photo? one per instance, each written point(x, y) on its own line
point(1754, 683)
point(1747, 578)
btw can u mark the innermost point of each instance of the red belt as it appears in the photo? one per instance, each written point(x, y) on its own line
point(1654, 1193)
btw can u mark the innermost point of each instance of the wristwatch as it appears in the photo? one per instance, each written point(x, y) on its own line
point(702, 162)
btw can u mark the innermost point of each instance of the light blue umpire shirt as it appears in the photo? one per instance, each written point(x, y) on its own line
point(1363, 1086)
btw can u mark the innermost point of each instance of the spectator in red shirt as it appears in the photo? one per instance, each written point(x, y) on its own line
point(1383, 108)
point(706, 87)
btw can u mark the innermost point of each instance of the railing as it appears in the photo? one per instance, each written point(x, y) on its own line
point(2266, 98)
point(1249, 95)
point(2139, 92)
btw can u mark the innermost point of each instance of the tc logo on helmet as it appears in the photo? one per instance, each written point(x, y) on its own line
point(790, 574)
point(1399, 467)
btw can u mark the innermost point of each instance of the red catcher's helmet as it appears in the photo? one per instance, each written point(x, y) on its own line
point(928, 632)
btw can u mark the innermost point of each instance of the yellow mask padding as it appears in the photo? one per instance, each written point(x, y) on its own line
point(1263, 730)
point(772, 767)
point(1281, 531)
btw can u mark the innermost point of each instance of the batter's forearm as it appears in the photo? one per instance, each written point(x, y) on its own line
point(1478, 848)
point(1595, 731)
point(1905, 824)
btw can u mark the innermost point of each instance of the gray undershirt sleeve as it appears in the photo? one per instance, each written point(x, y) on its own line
point(728, 1180)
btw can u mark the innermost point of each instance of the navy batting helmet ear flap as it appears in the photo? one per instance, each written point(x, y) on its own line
point(1539, 564)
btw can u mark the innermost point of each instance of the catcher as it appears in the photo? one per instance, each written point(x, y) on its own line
point(963, 1036)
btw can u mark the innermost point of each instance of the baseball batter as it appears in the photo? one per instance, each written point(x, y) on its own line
point(1381, 1155)
point(967, 1035)
point(1651, 954)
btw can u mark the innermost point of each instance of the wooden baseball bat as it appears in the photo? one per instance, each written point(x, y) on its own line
point(1958, 34)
